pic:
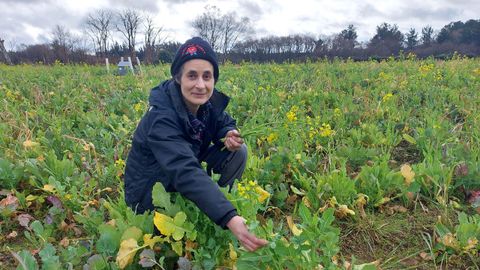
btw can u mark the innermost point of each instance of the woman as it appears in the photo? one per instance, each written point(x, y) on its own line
point(186, 115)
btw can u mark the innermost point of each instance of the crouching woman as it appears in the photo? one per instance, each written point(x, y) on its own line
point(185, 125)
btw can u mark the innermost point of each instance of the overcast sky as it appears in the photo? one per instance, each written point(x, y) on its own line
point(32, 21)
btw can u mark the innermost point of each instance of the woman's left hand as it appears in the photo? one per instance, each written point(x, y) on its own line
point(233, 140)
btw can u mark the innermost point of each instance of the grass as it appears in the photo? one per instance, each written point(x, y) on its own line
point(400, 240)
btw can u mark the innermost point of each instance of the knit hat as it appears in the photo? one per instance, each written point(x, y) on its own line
point(195, 48)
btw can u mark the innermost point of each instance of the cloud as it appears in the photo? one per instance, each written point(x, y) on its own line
point(143, 5)
point(426, 13)
point(180, 1)
point(368, 10)
point(250, 9)
point(30, 23)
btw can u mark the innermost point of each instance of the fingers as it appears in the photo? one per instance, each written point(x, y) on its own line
point(233, 132)
point(233, 141)
point(252, 243)
point(249, 241)
point(233, 144)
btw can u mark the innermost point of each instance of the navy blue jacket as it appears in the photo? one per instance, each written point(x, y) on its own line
point(165, 149)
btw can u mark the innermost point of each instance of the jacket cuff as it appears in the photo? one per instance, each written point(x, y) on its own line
point(223, 132)
point(226, 218)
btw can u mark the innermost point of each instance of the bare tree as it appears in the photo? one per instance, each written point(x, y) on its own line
point(61, 43)
point(152, 37)
point(99, 25)
point(209, 26)
point(129, 21)
point(233, 29)
point(4, 53)
point(221, 31)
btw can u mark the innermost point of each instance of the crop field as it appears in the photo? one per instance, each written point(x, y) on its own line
point(352, 165)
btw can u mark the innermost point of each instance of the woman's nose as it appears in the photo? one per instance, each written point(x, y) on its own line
point(200, 83)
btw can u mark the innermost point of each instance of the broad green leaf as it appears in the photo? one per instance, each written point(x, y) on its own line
point(37, 227)
point(132, 232)
point(109, 240)
point(160, 197)
point(180, 218)
point(25, 261)
point(177, 247)
point(49, 260)
point(95, 262)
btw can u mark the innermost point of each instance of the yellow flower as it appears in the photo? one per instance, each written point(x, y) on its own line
point(291, 116)
point(138, 107)
point(387, 97)
point(472, 242)
point(326, 130)
point(262, 194)
point(272, 137)
point(337, 112)
point(120, 163)
point(425, 68)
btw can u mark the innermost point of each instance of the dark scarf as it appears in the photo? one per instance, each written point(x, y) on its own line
point(198, 122)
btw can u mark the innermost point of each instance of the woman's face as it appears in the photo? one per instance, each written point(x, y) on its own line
point(196, 83)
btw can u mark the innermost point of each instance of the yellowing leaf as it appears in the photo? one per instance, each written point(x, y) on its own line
point(449, 240)
point(30, 144)
point(306, 202)
point(164, 224)
point(150, 241)
point(343, 211)
point(262, 194)
point(31, 197)
point(126, 253)
point(296, 231)
point(171, 226)
point(232, 253)
point(407, 173)
point(49, 188)
point(361, 202)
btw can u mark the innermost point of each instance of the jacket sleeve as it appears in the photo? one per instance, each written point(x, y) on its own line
point(183, 170)
point(225, 123)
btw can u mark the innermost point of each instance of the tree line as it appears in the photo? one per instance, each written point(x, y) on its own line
point(233, 39)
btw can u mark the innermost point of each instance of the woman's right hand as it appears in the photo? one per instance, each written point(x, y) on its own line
point(248, 240)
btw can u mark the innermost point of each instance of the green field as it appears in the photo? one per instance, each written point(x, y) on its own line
point(352, 165)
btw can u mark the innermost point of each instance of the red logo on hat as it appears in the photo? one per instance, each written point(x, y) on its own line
point(193, 49)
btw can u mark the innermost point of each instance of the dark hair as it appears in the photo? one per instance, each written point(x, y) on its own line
point(178, 76)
